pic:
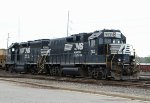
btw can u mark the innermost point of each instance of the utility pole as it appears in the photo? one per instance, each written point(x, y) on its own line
point(19, 29)
point(8, 40)
point(68, 25)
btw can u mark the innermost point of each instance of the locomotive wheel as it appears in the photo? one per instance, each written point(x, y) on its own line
point(33, 70)
point(7, 68)
point(97, 75)
point(50, 72)
point(11, 69)
point(54, 71)
point(104, 73)
point(60, 72)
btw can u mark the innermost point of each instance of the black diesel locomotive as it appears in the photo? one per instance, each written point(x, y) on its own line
point(101, 54)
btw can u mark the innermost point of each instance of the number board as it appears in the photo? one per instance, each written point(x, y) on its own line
point(112, 34)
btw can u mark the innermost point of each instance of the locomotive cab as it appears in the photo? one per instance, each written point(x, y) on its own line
point(12, 56)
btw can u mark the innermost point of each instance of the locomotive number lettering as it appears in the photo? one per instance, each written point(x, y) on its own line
point(112, 34)
point(77, 53)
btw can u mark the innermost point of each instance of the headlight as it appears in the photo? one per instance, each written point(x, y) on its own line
point(119, 59)
point(133, 60)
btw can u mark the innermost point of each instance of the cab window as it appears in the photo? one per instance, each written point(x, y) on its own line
point(107, 41)
point(92, 43)
point(100, 41)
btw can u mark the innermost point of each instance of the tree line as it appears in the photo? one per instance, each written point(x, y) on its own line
point(143, 59)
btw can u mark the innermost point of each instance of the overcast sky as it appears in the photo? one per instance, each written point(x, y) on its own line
point(28, 20)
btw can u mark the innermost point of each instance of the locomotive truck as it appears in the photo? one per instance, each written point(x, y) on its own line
point(101, 54)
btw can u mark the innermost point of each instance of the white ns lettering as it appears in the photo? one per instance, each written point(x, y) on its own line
point(79, 46)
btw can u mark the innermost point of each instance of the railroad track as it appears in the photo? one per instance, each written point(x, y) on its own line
point(132, 83)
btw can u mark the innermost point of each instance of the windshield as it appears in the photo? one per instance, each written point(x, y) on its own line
point(114, 41)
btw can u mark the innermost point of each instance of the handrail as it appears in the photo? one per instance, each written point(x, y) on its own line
point(112, 60)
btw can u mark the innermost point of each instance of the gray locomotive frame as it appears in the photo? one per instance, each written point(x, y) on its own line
point(101, 54)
